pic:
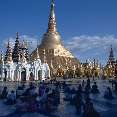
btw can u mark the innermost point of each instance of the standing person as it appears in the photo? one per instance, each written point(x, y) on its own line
point(5, 73)
point(31, 78)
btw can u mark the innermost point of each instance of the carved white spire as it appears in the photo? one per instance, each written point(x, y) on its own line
point(51, 64)
point(52, 18)
point(44, 56)
point(37, 51)
point(23, 58)
point(1, 58)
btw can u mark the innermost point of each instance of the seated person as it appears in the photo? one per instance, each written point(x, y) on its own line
point(31, 85)
point(87, 89)
point(43, 98)
point(11, 98)
point(0, 90)
point(78, 102)
point(94, 88)
point(108, 93)
point(53, 101)
point(64, 84)
point(23, 86)
point(67, 89)
point(88, 81)
point(115, 86)
point(68, 94)
point(21, 106)
point(41, 89)
point(73, 91)
point(4, 93)
point(89, 110)
point(56, 97)
point(19, 92)
point(83, 83)
point(80, 88)
point(32, 92)
point(32, 105)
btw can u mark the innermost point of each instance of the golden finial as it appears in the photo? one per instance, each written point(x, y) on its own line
point(52, 19)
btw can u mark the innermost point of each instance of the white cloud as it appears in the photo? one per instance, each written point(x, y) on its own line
point(89, 47)
point(85, 43)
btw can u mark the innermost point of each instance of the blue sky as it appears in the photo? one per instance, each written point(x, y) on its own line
point(91, 23)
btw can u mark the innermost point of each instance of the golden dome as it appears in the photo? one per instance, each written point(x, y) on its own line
point(51, 40)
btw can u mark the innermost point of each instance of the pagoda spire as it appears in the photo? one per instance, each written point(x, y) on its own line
point(111, 57)
point(111, 52)
point(16, 49)
point(17, 36)
point(52, 18)
point(24, 47)
point(8, 56)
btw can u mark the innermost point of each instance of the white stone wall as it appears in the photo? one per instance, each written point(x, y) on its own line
point(14, 71)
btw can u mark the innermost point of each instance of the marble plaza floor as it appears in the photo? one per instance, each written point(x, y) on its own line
point(105, 107)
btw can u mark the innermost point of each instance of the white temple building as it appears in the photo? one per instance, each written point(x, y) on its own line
point(17, 66)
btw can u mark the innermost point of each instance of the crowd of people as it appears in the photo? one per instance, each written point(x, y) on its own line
point(80, 97)
point(45, 97)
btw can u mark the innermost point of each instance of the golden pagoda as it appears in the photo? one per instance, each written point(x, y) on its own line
point(57, 56)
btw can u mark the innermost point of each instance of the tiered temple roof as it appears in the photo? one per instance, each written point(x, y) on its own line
point(111, 59)
point(19, 51)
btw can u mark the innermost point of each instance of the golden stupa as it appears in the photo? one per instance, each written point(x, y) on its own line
point(51, 49)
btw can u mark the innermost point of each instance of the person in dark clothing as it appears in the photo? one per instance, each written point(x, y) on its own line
point(116, 86)
point(78, 102)
point(83, 83)
point(11, 98)
point(4, 93)
point(80, 88)
point(108, 94)
point(89, 110)
point(5, 73)
point(94, 89)
point(88, 81)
